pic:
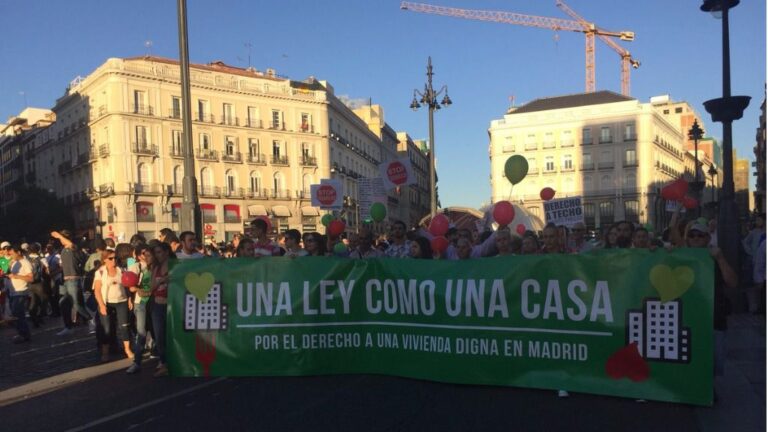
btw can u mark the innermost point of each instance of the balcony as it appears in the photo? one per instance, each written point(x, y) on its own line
point(549, 170)
point(586, 142)
point(630, 191)
point(253, 123)
point(176, 151)
point(82, 159)
point(205, 118)
point(306, 128)
point(606, 140)
point(277, 125)
point(630, 163)
point(144, 110)
point(548, 145)
point(104, 150)
point(256, 158)
point(303, 194)
point(605, 165)
point(531, 146)
point(208, 191)
point(144, 188)
point(93, 154)
point(566, 143)
point(587, 166)
point(211, 155)
point(233, 193)
point(631, 137)
point(257, 194)
point(279, 160)
point(175, 189)
point(144, 149)
point(533, 170)
point(234, 157)
point(230, 121)
point(174, 113)
point(106, 189)
point(281, 193)
point(566, 168)
point(309, 160)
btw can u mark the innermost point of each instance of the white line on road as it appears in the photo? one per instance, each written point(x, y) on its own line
point(147, 404)
point(53, 346)
point(53, 360)
point(440, 326)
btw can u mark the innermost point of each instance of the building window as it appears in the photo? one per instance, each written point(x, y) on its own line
point(606, 183)
point(231, 213)
point(606, 212)
point(231, 182)
point(143, 174)
point(632, 211)
point(666, 111)
point(566, 140)
point(231, 145)
point(277, 118)
point(176, 142)
point(549, 140)
point(589, 213)
point(253, 117)
point(175, 107)
point(141, 136)
point(306, 122)
point(209, 213)
point(205, 142)
point(568, 162)
point(630, 157)
point(530, 142)
point(533, 168)
point(229, 114)
point(509, 145)
point(255, 182)
point(605, 135)
point(549, 164)
point(586, 136)
point(629, 132)
point(145, 211)
point(110, 213)
point(175, 210)
point(202, 110)
point(678, 110)
point(206, 180)
point(139, 101)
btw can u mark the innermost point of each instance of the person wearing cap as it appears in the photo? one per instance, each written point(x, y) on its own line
point(17, 282)
point(697, 236)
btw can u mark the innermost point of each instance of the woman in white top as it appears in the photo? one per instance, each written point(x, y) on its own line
point(111, 295)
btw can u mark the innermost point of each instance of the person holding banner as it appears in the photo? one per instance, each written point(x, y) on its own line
point(551, 239)
point(399, 246)
point(292, 248)
point(366, 249)
point(506, 243)
point(529, 245)
point(263, 245)
point(420, 249)
point(245, 248)
point(314, 244)
point(697, 236)
point(162, 252)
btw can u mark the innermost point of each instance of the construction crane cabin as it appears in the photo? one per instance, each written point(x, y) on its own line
point(578, 24)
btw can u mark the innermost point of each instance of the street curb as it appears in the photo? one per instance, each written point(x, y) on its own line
point(47, 385)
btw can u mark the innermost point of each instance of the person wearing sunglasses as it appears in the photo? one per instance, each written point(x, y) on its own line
point(697, 236)
point(111, 296)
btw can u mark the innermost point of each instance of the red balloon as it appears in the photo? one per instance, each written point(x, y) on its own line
point(503, 212)
point(521, 229)
point(336, 227)
point(547, 193)
point(129, 279)
point(439, 225)
point(690, 203)
point(439, 244)
point(675, 191)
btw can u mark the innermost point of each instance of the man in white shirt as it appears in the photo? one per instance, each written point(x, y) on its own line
point(17, 285)
point(188, 246)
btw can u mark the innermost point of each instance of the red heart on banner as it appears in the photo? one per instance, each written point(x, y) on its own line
point(628, 363)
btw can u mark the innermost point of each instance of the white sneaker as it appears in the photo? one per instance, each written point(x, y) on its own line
point(64, 332)
point(92, 326)
point(562, 394)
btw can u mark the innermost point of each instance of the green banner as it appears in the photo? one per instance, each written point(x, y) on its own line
point(625, 323)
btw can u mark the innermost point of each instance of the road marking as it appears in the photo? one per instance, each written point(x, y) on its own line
point(440, 326)
point(89, 350)
point(52, 346)
point(146, 405)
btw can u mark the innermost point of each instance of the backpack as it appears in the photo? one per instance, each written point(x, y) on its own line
point(37, 270)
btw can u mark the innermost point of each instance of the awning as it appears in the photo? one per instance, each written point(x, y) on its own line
point(310, 211)
point(257, 210)
point(205, 206)
point(281, 211)
point(232, 208)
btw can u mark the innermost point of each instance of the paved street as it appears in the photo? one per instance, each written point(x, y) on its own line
point(115, 401)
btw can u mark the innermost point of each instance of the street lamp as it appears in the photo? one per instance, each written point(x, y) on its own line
point(712, 173)
point(725, 110)
point(696, 133)
point(429, 97)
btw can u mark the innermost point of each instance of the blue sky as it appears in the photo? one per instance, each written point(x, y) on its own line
point(370, 48)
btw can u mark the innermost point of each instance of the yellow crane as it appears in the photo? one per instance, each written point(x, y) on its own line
point(590, 30)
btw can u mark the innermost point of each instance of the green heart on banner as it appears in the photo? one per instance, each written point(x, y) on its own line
point(199, 284)
point(671, 283)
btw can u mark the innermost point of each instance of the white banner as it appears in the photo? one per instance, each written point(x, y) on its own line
point(370, 190)
point(396, 173)
point(564, 211)
point(327, 195)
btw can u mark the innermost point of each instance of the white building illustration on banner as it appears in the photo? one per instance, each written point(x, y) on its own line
point(659, 332)
point(208, 315)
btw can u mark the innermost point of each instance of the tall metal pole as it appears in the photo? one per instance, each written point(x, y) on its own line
point(189, 217)
point(432, 175)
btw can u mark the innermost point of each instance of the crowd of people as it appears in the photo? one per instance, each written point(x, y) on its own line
point(120, 290)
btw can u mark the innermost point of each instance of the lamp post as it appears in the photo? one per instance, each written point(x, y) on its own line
point(429, 97)
point(725, 110)
point(696, 133)
point(712, 173)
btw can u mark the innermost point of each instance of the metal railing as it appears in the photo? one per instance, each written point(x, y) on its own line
point(604, 165)
point(306, 128)
point(174, 113)
point(104, 150)
point(277, 125)
point(207, 154)
point(586, 166)
point(308, 160)
point(205, 118)
point(176, 151)
point(281, 193)
point(253, 123)
point(257, 193)
point(208, 191)
point(230, 121)
point(630, 163)
point(144, 148)
point(256, 158)
point(143, 110)
point(279, 160)
point(144, 188)
point(236, 157)
point(233, 193)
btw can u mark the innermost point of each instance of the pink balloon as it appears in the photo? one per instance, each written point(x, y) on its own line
point(547, 193)
point(521, 229)
point(336, 227)
point(503, 212)
point(439, 244)
point(439, 225)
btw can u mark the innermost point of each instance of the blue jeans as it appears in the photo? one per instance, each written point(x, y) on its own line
point(140, 310)
point(18, 304)
point(70, 290)
point(158, 324)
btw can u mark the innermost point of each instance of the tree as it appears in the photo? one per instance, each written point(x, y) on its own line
point(34, 215)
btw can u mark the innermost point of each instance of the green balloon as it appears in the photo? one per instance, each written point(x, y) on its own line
point(340, 248)
point(326, 219)
point(516, 168)
point(378, 212)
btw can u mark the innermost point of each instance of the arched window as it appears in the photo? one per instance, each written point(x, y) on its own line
point(279, 185)
point(630, 181)
point(606, 184)
point(231, 181)
point(307, 181)
point(144, 174)
point(206, 181)
point(178, 176)
point(255, 179)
